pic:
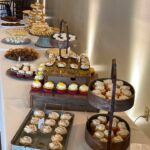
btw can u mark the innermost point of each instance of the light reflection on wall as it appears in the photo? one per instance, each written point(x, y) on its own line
point(92, 25)
point(139, 55)
point(44, 4)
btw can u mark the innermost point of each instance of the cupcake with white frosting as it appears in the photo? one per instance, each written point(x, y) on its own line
point(83, 89)
point(48, 87)
point(73, 88)
point(36, 86)
point(61, 87)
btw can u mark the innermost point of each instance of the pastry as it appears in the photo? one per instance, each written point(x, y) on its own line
point(39, 113)
point(114, 125)
point(29, 74)
point(66, 116)
point(121, 125)
point(115, 119)
point(25, 54)
point(123, 133)
point(61, 130)
point(30, 128)
point(55, 146)
point(20, 74)
point(36, 86)
point(63, 37)
point(61, 87)
point(99, 83)
point(117, 139)
point(56, 138)
point(106, 133)
point(119, 83)
point(73, 88)
point(53, 115)
point(46, 129)
point(50, 122)
point(35, 120)
point(48, 87)
point(126, 93)
point(102, 119)
point(83, 89)
point(61, 64)
point(125, 87)
point(25, 140)
point(98, 134)
point(104, 140)
point(100, 127)
point(63, 123)
point(94, 123)
point(74, 66)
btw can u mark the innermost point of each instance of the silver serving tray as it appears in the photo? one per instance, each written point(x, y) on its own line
point(40, 140)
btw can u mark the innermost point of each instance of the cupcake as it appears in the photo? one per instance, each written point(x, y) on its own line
point(61, 88)
point(73, 88)
point(29, 74)
point(39, 78)
point(36, 86)
point(83, 89)
point(48, 87)
point(20, 74)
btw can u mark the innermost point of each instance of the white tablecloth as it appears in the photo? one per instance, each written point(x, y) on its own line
point(14, 106)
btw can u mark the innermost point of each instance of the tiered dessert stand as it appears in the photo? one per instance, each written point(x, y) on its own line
point(111, 106)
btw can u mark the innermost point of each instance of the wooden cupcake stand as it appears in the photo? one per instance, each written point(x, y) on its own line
point(63, 101)
point(111, 106)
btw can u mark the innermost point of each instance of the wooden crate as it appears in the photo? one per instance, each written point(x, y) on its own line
point(62, 102)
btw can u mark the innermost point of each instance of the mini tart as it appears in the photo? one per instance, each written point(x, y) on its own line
point(61, 64)
point(46, 129)
point(53, 115)
point(55, 146)
point(36, 86)
point(63, 123)
point(20, 74)
point(35, 120)
point(73, 88)
point(30, 128)
point(66, 116)
point(39, 113)
point(50, 122)
point(56, 138)
point(83, 89)
point(61, 87)
point(48, 87)
point(61, 130)
point(25, 140)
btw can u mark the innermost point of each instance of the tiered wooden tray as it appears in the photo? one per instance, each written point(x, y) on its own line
point(111, 106)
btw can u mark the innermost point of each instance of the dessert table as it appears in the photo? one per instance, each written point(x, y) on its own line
point(14, 106)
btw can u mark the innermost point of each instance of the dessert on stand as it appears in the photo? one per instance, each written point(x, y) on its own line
point(107, 131)
point(37, 25)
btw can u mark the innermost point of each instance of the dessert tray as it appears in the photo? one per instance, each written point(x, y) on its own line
point(101, 91)
point(22, 71)
point(12, 24)
point(96, 132)
point(10, 19)
point(16, 40)
point(44, 130)
point(25, 54)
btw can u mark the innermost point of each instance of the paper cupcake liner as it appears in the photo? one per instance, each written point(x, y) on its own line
point(61, 91)
point(72, 92)
point(83, 93)
point(20, 75)
point(47, 90)
point(36, 89)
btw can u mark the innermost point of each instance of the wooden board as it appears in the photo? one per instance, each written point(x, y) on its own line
point(60, 101)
